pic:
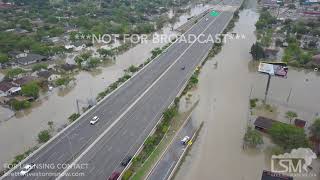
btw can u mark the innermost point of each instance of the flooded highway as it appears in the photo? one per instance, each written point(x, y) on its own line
point(226, 84)
point(19, 133)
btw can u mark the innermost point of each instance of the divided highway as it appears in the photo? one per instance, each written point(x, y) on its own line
point(126, 116)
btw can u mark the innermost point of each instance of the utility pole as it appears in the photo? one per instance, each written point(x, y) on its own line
point(267, 88)
point(288, 98)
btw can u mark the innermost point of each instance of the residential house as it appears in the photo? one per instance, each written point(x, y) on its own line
point(300, 123)
point(24, 80)
point(6, 5)
point(268, 175)
point(48, 76)
point(68, 47)
point(30, 59)
point(7, 89)
point(17, 54)
point(78, 46)
point(17, 31)
point(68, 67)
point(264, 124)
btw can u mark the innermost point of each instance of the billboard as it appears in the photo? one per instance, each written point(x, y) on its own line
point(273, 69)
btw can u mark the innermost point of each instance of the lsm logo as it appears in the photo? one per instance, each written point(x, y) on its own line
point(296, 163)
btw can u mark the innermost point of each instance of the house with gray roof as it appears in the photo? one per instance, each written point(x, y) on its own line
point(30, 58)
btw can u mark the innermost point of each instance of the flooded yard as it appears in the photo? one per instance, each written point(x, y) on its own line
point(226, 84)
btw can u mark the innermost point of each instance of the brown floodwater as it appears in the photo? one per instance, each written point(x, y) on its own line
point(227, 82)
point(19, 133)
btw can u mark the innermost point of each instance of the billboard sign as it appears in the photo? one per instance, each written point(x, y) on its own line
point(273, 69)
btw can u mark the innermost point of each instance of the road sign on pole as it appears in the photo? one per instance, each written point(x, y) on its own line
point(214, 13)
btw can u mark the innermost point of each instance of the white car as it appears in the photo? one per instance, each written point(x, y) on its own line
point(185, 140)
point(94, 120)
point(27, 168)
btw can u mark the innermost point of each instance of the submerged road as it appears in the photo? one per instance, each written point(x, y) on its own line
point(126, 116)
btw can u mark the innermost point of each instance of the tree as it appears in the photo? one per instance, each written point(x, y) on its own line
point(19, 105)
point(253, 138)
point(31, 90)
point(3, 58)
point(38, 67)
point(44, 136)
point(105, 52)
point(257, 51)
point(288, 136)
point(315, 128)
point(291, 115)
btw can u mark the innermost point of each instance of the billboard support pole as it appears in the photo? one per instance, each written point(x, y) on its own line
point(267, 88)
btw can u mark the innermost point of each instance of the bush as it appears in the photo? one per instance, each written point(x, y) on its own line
point(253, 103)
point(63, 81)
point(73, 117)
point(44, 136)
point(38, 67)
point(127, 174)
point(253, 138)
point(19, 105)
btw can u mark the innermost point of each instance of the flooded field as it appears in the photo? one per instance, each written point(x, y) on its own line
point(19, 133)
point(227, 82)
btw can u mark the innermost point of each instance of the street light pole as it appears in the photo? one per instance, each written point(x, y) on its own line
point(267, 88)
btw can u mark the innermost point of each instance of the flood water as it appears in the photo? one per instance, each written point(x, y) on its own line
point(19, 133)
point(224, 92)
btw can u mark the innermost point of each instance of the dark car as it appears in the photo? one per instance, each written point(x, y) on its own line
point(126, 161)
point(114, 176)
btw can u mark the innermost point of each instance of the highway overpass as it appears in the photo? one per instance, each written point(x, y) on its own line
point(127, 115)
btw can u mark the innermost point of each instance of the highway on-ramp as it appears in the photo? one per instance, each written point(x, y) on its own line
point(126, 116)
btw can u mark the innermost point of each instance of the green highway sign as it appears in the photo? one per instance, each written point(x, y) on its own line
point(214, 13)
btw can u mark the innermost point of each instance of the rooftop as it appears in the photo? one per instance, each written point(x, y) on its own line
point(300, 123)
point(263, 122)
point(30, 58)
point(44, 74)
point(5, 86)
point(24, 80)
point(267, 175)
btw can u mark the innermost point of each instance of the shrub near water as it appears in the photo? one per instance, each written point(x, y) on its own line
point(44, 136)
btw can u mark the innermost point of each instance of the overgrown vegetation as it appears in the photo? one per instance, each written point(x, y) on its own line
point(31, 90)
point(253, 103)
point(73, 117)
point(19, 105)
point(252, 138)
point(44, 136)
point(288, 137)
point(63, 81)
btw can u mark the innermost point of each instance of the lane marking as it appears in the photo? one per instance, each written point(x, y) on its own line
point(130, 107)
point(169, 171)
